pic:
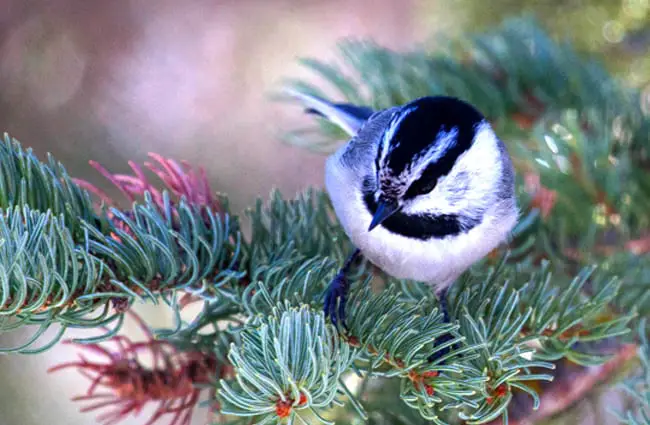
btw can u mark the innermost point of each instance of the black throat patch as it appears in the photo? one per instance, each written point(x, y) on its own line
point(422, 226)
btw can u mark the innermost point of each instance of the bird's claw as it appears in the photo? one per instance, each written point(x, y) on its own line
point(335, 297)
point(441, 353)
point(337, 292)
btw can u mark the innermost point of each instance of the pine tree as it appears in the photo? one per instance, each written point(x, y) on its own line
point(569, 290)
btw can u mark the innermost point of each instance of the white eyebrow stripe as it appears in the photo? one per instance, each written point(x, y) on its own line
point(444, 141)
point(386, 146)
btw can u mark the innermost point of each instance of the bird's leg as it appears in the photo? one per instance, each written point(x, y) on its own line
point(442, 300)
point(338, 291)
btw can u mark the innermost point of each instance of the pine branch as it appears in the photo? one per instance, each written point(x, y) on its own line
point(288, 363)
point(504, 332)
point(24, 180)
point(396, 339)
point(65, 263)
point(157, 248)
point(392, 333)
point(286, 227)
point(45, 277)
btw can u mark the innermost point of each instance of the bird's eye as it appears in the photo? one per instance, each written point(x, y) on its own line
point(420, 187)
point(368, 184)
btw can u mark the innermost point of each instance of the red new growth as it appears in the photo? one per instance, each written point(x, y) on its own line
point(283, 407)
point(419, 379)
point(429, 389)
point(179, 179)
point(123, 385)
point(354, 341)
point(498, 393)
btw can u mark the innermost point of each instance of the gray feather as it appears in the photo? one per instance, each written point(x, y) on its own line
point(348, 117)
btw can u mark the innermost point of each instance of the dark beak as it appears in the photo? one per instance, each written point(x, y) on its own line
point(384, 210)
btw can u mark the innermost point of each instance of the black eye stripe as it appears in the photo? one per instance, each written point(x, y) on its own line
point(421, 186)
point(429, 177)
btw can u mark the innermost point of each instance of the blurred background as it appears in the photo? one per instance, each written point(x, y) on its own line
point(114, 80)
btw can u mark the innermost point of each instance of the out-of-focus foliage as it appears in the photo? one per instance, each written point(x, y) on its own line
point(619, 29)
point(638, 386)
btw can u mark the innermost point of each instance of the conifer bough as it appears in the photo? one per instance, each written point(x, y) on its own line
point(568, 281)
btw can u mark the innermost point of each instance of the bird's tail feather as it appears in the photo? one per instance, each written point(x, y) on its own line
point(349, 117)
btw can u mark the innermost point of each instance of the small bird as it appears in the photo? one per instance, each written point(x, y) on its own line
point(423, 190)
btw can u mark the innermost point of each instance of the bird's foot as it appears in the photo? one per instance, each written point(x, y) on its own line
point(335, 297)
point(442, 298)
point(336, 294)
point(442, 352)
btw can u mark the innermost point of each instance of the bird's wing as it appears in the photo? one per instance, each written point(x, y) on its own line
point(349, 117)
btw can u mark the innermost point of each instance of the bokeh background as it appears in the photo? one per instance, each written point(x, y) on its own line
point(114, 80)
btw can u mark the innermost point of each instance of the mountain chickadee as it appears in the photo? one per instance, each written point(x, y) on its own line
point(423, 190)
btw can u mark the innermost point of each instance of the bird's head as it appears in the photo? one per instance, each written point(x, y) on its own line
point(420, 145)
